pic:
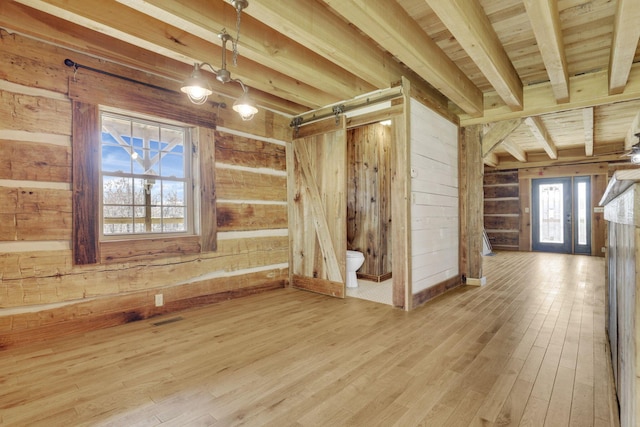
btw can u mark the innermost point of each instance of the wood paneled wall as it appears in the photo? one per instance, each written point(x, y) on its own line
point(434, 201)
point(502, 209)
point(42, 293)
point(369, 198)
point(623, 299)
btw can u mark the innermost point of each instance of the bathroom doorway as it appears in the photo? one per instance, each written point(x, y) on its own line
point(369, 209)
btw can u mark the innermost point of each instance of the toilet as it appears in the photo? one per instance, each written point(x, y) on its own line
point(355, 260)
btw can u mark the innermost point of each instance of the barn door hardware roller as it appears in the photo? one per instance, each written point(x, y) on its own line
point(343, 107)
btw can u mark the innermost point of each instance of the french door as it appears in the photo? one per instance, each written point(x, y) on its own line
point(561, 215)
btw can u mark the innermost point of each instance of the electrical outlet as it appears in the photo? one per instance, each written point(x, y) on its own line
point(603, 249)
point(159, 300)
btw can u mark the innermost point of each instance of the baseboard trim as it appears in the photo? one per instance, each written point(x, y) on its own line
point(436, 290)
point(374, 277)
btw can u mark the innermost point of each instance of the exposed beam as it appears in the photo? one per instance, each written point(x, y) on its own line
point(545, 21)
point(572, 156)
point(587, 119)
point(258, 42)
point(316, 27)
point(540, 133)
point(491, 159)
point(631, 138)
point(122, 23)
point(514, 149)
point(392, 28)
point(468, 23)
point(626, 33)
point(587, 90)
point(498, 133)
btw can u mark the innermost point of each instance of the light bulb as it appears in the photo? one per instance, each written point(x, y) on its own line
point(196, 86)
point(197, 94)
point(245, 107)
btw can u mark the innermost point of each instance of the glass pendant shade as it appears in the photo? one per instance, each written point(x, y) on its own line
point(245, 106)
point(196, 87)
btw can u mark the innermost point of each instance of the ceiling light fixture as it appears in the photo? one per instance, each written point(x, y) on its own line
point(198, 88)
point(634, 152)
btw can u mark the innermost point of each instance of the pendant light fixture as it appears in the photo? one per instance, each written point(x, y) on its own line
point(198, 88)
point(634, 153)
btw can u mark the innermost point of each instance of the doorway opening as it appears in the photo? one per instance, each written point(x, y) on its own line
point(561, 220)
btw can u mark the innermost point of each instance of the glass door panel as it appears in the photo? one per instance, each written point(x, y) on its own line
point(551, 215)
point(582, 215)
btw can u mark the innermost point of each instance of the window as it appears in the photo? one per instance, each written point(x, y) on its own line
point(146, 177)
point(166, 203)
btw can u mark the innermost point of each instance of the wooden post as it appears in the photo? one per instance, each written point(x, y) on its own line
point(471, 205)
point(401, 204)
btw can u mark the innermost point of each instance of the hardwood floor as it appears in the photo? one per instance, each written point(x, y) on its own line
point(528, 349)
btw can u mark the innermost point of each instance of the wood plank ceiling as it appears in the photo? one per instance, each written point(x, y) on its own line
point(566, 71)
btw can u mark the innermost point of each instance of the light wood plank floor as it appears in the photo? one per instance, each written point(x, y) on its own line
point(528, 349)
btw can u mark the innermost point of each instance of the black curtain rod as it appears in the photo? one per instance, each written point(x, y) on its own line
point(70, 63)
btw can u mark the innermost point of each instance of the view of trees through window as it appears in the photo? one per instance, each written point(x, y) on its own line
point(145, 176)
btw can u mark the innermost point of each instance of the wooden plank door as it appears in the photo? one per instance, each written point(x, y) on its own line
point(319, 213)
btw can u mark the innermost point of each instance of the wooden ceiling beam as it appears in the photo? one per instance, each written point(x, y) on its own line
point(35, 24)
point(587, 119)
point(497, 134)
point(322, 31)
point(258, 42)
point(626, 33)
point(392, 28)
point(123, 23)
point(540, 133)
point(587, 90)
point(631, 138)
point(514, 149)
point(491, 160)
point(545, 21)
point(571, 156)
point(469, 24)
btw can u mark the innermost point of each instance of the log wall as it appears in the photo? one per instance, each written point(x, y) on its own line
point(42, 292)
point(502, 209)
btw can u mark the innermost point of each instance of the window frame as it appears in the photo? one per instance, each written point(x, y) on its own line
point(92, 91)
point(190, 177)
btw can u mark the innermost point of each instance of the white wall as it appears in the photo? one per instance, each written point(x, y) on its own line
point(434, 198)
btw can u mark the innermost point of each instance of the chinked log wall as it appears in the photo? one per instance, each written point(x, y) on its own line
point(502, 209)
point(42, 294)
